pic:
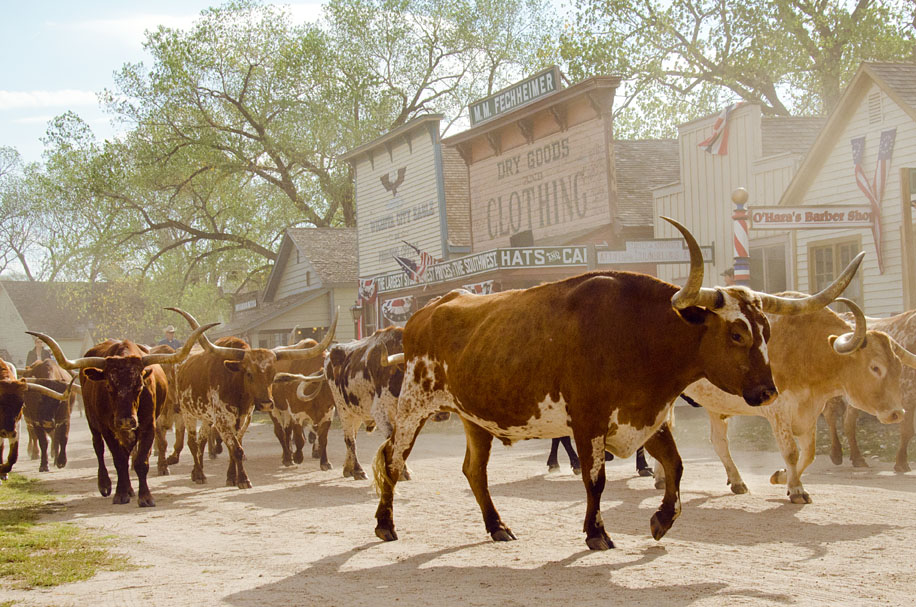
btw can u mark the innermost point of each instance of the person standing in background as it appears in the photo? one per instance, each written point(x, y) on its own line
point(38, 352)
point(169, 339)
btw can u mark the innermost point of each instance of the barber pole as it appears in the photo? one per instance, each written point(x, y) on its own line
point(741, 240)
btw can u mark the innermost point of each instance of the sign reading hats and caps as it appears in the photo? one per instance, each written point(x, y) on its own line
point(512, 97)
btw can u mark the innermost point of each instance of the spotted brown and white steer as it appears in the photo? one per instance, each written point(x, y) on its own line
point(221, 385)
point(124, 388)
point(601, 356)
point(13, 391)
point(811, 365)
point(47, 417)
point(902, 327)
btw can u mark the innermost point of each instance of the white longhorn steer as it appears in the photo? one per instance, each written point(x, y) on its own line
point(811, 365)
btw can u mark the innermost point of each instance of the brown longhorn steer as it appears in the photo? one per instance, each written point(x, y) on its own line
point(124, 388)
point(902, 328)
point(13, 392)
point(811, 365)
point(601, 356)
point(48, 417)
point(221, 385)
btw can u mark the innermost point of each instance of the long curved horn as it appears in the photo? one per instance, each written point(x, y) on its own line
point(393, 360)
point(905, 356)
point(302, 353)
point(180, 355)
point(308, 342)
point(848, 343)
point(782, 305)
point(693, 293)
point(223, 352)
point(291, 338)
point(46, 391)
point(304, 380)
point(80, 363)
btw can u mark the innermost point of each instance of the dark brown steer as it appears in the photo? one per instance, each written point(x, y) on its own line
point(124, 389)
point(601, 356)
point(48, 417)
point(221, 385)
point(13, 392)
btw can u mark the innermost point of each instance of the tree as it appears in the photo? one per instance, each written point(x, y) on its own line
point(685, 58)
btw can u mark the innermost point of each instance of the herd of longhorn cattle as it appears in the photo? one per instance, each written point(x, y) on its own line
point(600, 357)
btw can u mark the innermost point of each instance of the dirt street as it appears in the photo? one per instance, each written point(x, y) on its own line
point(305, 537)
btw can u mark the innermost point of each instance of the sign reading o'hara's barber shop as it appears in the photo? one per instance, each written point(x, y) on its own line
point(553, 186)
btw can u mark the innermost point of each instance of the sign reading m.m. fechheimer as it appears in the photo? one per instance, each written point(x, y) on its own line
point(520, 93)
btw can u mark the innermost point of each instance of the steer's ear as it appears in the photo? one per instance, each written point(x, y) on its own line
point(233, 365)
point(94, 374)
point(694, 315)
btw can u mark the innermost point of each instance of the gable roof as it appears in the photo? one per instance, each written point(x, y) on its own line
point(43, 306)
point(249, 319)
point(330, 251)
point(897, 80)
point(641, 166)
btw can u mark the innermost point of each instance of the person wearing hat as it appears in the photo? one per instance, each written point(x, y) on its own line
point(729, 276)
point(169, 339)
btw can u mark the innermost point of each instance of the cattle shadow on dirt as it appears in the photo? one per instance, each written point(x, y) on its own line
point(409, 580)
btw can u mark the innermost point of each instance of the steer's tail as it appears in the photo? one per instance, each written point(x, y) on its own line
point(380, 477)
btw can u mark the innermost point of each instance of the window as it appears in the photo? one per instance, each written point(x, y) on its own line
point(913, 187)
point(768, 268)
point(308, 279)
point(826, 261)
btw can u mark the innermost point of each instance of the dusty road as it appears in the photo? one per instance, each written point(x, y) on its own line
point(305, 537)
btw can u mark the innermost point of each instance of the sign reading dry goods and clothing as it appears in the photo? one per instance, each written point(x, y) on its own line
point(510, 98)
point(497, 259)
point(810, 217)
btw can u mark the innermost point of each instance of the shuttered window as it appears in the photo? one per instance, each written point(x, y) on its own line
point(827, 260)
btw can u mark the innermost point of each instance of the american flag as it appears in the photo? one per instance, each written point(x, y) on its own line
point(415, 271)
point(368, 289)
point(717, 143)
point(480, 288)
point(874, 190)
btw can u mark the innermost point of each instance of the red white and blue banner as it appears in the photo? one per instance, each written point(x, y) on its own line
point(717, 143)
point(415, 270)
point(874, 189)
point(368, 289)
point(398, 310)
point(480, 288)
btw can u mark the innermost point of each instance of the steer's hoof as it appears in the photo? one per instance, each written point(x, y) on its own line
point(298, 457)
point(503, 534)
point(163, 471)
point(600, 542)
point(644, 472)
point(147, 502)
point(359, 475)
point(287, 462)
point(660, 525)
point(577, 470)
point(553, 467)
point(659, 483)
point(61, 462)
point(172, 460)
point(387, 535)
point(800, 498)
point(406, 475)
point(120, 498)
point(105, 490)
point(739, 488)
point(859, 462)
point(778, 478)
point(246, 484)
point(904, 467)
point(43, 468)
point(326, 466)
point(836, 458)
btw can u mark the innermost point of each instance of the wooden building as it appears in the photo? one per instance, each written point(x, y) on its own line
point(315, 273)
point(763, 154)
point(537, 189)
point(874, 123)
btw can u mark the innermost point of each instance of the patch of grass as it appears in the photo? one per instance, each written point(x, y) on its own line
point(36, 554)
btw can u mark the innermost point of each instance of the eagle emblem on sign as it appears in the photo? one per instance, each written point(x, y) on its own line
point(393, 181)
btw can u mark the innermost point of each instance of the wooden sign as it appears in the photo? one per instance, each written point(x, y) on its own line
point(810, 217)
point(662, 250)
point(512, 97)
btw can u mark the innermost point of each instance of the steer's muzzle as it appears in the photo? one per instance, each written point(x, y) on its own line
point(894, 416)
point(263, 404)
point(760, 394)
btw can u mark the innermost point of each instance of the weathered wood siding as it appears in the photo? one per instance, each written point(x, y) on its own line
point(414, 214)
point(299, 276)
point(835, 184)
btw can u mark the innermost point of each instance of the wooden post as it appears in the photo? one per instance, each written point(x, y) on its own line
point(742, 254)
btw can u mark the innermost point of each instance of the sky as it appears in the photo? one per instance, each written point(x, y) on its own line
point(57, 55)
